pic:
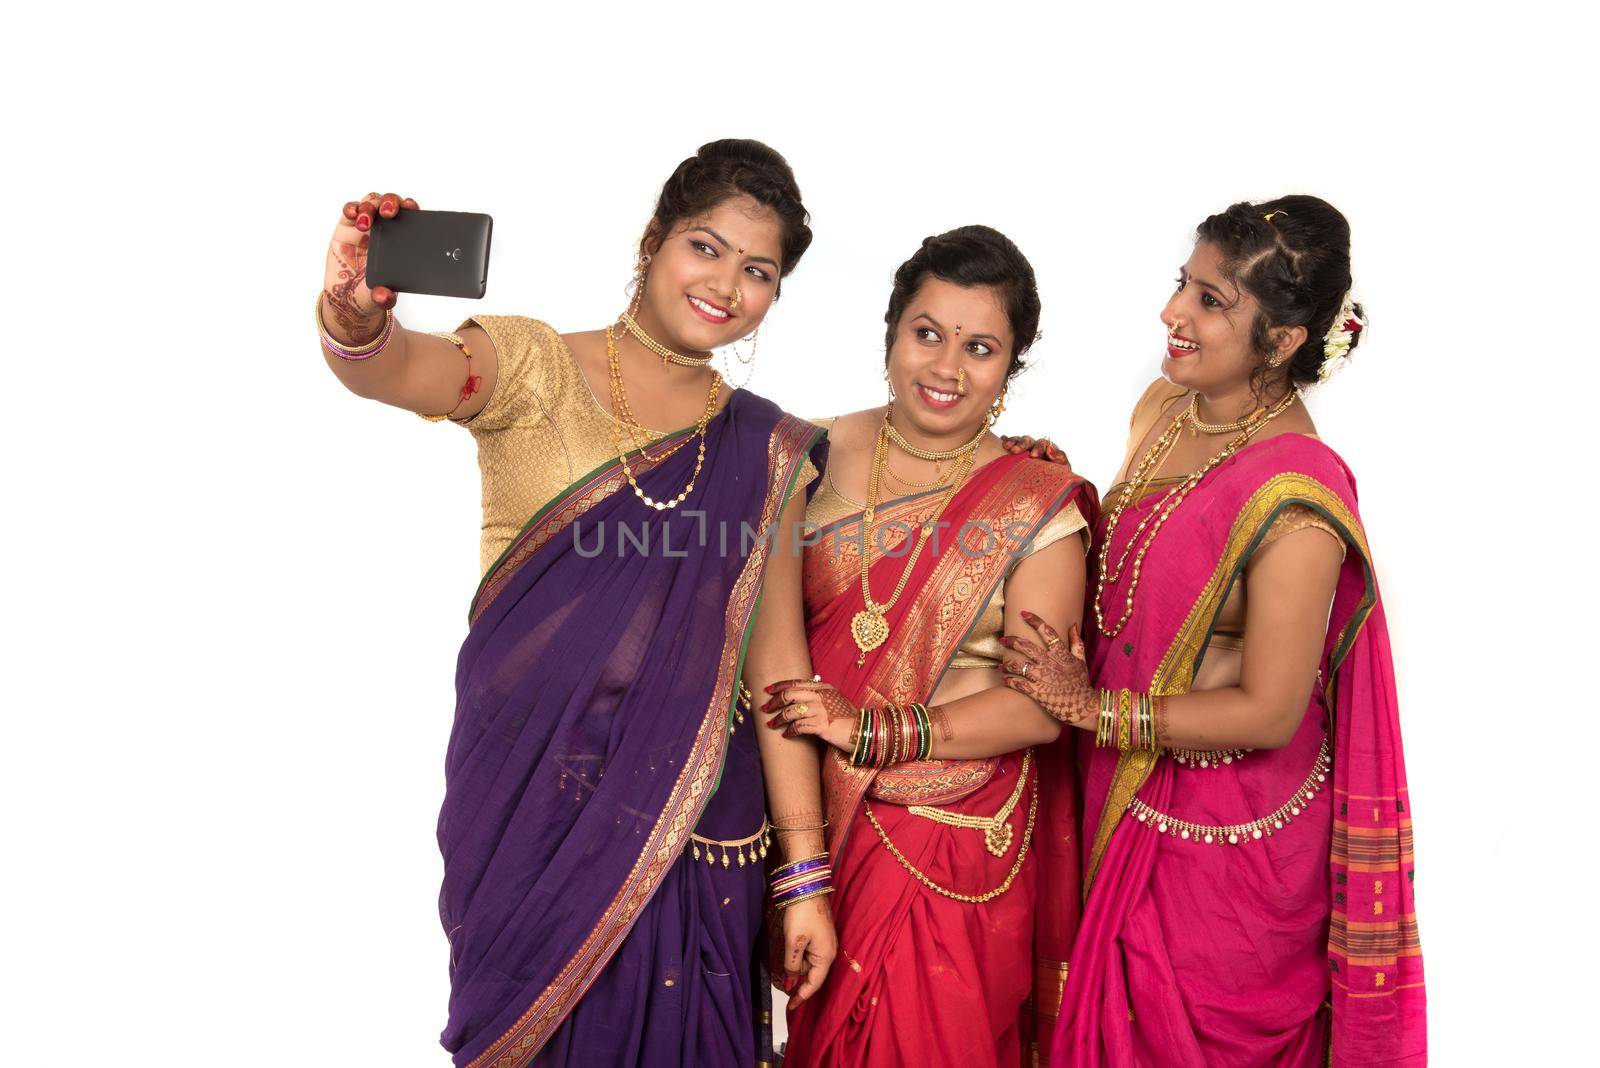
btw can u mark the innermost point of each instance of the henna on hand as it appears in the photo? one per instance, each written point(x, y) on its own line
point(941, 719)
point(799, 832)
point(1058, 675)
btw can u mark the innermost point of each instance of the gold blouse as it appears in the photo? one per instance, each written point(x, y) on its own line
point(541, 430)
point(981, 648)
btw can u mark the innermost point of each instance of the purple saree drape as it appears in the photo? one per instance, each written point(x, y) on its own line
point(591, 736)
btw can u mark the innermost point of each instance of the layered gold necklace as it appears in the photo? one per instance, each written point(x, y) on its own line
point(624, 414)
point(1138, 485)
point(869, 627)
point(699, 359)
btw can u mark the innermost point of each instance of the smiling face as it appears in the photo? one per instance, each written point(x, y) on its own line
point(945, 329)
point(1209, 322)
point(689, 302)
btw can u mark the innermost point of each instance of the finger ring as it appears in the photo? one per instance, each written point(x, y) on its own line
point(1050, 642)
point(801, 711)
point(1025, 668)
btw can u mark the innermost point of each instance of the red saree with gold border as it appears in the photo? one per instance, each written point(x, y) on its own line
point(1257, 911)
point(922, 978)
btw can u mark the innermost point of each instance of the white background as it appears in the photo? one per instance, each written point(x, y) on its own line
point(234, 592)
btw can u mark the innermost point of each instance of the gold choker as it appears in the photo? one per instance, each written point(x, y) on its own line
point(666, 354)
point(927, 454)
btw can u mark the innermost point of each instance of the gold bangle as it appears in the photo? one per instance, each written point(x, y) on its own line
point(339, 347)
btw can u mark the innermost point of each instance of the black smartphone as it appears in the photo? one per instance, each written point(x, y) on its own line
point(445, 253)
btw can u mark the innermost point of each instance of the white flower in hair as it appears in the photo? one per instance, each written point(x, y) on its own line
point(1336, 343)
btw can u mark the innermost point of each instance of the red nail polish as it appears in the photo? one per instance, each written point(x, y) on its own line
point(363, 221)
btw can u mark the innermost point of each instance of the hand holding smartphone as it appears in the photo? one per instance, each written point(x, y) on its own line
point(443, 253)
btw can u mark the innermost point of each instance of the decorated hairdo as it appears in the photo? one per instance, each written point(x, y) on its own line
point(1293, 255)
point(973, 256)
point(733, 167)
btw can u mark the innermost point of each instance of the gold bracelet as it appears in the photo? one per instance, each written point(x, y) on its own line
point(340, 348)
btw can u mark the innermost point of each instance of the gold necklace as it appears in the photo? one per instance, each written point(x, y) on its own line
point(926, 454)
point(666, 354)
point(868, 627)
point(1219, 428)
point(938, 478)
point(1166, 506)
point(619, 404)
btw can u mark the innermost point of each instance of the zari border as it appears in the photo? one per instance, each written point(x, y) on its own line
point(1182, 660)
point(562, 510)
point(790, 440)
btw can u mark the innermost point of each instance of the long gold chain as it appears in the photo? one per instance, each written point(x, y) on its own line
point(970, 899)
point(869, 627)
point(997, 828)
point(928, 454)
point(619, 404)
point(667, 355)
point(1165, 507)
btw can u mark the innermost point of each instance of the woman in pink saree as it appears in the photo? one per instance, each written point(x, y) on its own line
point(1247, 834)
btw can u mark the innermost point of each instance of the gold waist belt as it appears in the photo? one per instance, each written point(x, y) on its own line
point(997, 828)
point(996, 833)
point(748, 850)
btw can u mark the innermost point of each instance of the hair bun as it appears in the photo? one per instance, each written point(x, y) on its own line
point(732, 167)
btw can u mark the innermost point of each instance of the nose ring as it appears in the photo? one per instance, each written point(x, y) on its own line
point(961, 381)
point(738, 295)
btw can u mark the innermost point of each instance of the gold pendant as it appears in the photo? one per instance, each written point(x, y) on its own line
point(997, 839)
point(869, 630)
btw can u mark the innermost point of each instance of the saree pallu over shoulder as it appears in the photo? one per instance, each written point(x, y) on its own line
point(1374, 966)
point(989, 523)
point(594, 691)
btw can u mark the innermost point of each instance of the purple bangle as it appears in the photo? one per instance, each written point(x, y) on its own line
point(803, 890)
point(800, 867)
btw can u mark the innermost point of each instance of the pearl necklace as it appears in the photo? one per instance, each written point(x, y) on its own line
point(1137, 485)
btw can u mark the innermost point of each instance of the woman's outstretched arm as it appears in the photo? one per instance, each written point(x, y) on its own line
point(414, 370)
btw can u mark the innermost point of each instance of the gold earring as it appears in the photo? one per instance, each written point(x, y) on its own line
point(639, 267)
point(993, 415)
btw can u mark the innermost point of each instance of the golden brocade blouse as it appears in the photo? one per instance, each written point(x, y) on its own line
point(981, 648)
point(541, 430)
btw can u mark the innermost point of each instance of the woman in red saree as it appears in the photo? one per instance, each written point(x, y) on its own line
point(1248, 861)
point(943, 847)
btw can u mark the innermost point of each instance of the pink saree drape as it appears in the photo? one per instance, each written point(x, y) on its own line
point(1297, 943)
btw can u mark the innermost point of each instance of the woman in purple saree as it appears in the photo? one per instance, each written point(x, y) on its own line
point(605, 819)
point(1247, 838)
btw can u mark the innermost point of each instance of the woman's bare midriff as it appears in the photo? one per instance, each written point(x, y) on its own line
point(964, 682)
